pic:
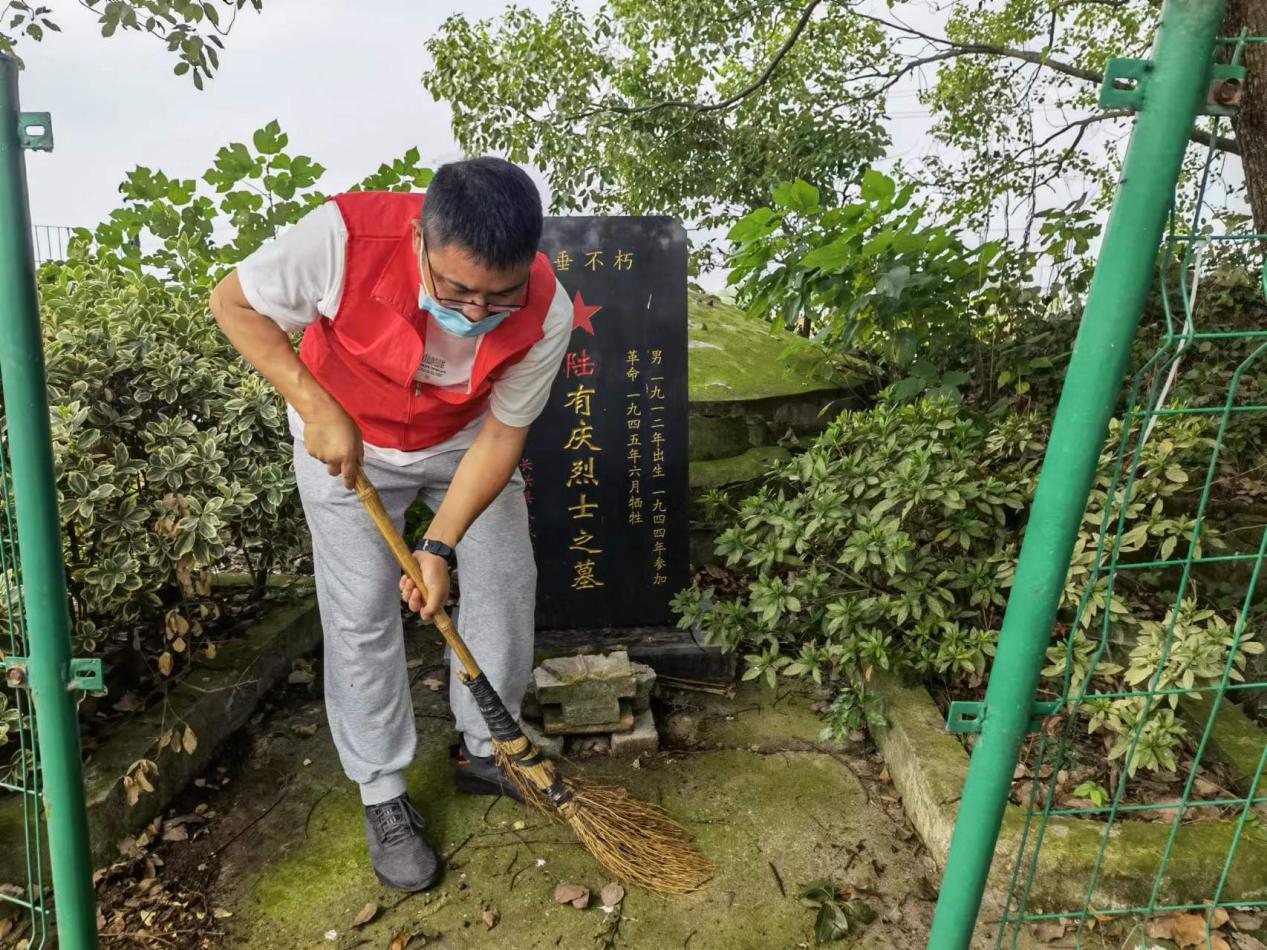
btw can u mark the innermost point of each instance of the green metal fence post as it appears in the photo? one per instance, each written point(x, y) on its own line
point(1168, 94)
point(49, 675)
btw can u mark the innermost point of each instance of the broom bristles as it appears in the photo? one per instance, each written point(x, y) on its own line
point(639, 843)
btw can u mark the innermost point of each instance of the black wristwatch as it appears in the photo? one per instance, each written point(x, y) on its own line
point(440, 549)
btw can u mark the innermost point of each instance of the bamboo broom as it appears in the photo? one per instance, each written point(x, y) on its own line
point(637, 842)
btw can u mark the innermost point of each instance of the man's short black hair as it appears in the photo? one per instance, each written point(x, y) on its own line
point(486, 206)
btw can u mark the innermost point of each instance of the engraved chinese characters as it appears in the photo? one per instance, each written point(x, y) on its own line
point(606, 464)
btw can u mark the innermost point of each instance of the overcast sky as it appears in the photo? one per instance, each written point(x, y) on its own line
point(342, 77)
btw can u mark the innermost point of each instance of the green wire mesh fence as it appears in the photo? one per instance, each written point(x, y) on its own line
point(23, 911)
point(1173, 846)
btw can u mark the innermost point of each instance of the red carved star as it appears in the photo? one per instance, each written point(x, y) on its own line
point(583, 314)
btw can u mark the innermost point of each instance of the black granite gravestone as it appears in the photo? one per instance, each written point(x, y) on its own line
point(606, 463)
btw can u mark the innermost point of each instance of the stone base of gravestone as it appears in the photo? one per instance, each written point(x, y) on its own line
point(593, 700)
point(589, 693)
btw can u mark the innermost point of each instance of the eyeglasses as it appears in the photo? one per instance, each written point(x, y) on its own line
point(462, 306)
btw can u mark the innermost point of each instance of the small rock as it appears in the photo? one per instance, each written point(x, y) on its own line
point(307, 761)
point(304, 730)
point(612, 894)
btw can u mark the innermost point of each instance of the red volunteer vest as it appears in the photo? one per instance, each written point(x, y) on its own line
point(367, 356)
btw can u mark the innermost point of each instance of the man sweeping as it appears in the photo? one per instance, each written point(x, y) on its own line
point(432, 331)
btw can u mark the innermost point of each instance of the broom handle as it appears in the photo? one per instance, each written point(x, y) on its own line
point(409, 564)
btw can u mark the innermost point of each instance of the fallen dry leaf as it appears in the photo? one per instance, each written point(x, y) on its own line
point(574, 894)
point(401, 940)
point(1188, 930)
point(129, 702)
point(490, 918)
point(219, 913)
point(301, 677)
point(308, 730)
point(1245, 920)
point(189, 741)
point(1049, 930)
point(433, 684)
point(175, 833)
point(611, 894)
point(210, 651)
point(368, 913)
point(165, 664)
point(884, 775)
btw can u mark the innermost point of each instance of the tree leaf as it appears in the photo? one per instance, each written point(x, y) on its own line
point(367, 913)
point(829, 257)
point(796, 195)
point(877, 186)
point(831, 924)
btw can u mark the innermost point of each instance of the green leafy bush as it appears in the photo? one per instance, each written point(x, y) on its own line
point(891, 545)
point(890, 283)
point(172, 457)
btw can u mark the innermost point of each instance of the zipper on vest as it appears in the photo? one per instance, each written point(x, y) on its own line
point(414, 391)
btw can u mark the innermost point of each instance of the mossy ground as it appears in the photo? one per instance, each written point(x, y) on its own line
point(771, 808)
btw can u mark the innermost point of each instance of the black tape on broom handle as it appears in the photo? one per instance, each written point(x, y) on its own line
point(503, 728)
point(501, 724)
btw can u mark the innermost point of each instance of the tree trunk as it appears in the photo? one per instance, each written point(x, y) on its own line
point(1250, 124)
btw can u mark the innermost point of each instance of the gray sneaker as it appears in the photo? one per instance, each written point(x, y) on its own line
point(402, 860)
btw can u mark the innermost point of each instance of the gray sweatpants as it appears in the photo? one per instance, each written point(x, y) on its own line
point(366, 686)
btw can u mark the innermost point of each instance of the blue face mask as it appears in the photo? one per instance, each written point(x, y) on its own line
point(454, 321)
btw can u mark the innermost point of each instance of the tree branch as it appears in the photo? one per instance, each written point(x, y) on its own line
point(729, 101)
point(953, 49)
point(950, 50)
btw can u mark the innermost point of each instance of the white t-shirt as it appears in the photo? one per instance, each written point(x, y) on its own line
point(297, 279)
